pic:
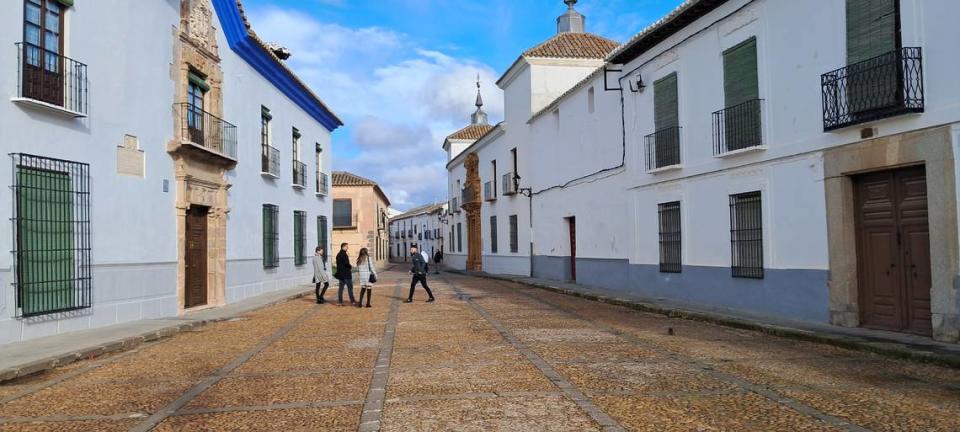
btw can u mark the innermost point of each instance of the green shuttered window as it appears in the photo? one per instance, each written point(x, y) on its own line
point(871, 29)
point(299, 237)
point(740, 83)
point(493, 234)
point(665, 104)
point(52, 229)
point(322, 233)
point(514, 235)
point(271, 236)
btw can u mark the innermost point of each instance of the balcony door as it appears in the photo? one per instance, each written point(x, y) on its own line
point(195, 113)
point(42, 58)
point(874, 71)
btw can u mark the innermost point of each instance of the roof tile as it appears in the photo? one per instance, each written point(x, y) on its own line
point(573, 45)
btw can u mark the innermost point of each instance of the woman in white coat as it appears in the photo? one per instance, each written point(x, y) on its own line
point(368, 276)
point(321, 273)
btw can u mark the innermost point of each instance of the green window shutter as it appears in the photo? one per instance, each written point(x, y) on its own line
point(265, 113)
point(493, 234)
point(299, 237)
point(45, 233)
point(665, 104)
point(871, 29)
point(198, 81)
point(65, 3)
point(740, 83)
point(322, 232)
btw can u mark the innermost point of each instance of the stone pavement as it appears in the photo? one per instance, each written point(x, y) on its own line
point(899, 345)
point(490, 355)
point(36, 355)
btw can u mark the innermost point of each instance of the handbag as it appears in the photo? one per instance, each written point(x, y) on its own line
point(373, 276)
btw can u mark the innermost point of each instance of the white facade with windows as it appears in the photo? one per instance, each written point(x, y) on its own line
point(786, 165)
point(423, 227)
point(130, 161)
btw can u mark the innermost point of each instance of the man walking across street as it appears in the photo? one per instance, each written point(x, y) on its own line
point(344, 274)
point(419, 272)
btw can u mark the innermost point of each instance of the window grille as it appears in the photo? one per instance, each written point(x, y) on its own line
point(493, 234)
point(746, 235)
point(271, 236)
point(670, 239)
point(51, 219)
point(299, 237)
point(514, 235)
point(322, 232)
point(459, 237)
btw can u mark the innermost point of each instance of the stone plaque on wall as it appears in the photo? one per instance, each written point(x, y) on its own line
point(130, 158)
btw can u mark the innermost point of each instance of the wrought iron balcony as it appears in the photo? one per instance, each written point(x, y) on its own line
point(489, 191)
point(663, 148)
point(207, 131)
point(885, 86)
point(323, 183)
point(509, 187)
point(269, 161)
point(469, 196)
point(299, 174)
point(50, 80)
point(737, 128)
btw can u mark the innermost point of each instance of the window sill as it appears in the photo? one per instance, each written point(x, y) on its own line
point(49, 107)
point(296, 186)
point(320, 194)
point(340, 228)
point(741, 151)
point(665, 169)
point(269, 175)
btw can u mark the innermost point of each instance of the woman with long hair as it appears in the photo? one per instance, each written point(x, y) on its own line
point(321, 273)
point(368, 276)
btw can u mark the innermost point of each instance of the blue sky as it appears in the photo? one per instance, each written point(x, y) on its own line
point(401, 72)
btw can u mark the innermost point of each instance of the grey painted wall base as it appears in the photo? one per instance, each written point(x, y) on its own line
point(796, 294)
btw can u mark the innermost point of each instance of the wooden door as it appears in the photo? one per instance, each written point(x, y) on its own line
point(894, 250)
point(572, 221)
point(196, 257)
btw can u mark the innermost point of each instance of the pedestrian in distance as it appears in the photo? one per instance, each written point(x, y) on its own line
point(419, 272)
point(344, 274)
point(368, 276)
point(321, 273)
point(426, 259)
point(437, 258)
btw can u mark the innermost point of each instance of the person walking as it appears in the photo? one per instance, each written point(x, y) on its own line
point(344, 274)
point(419, 272)
point(437, 257)
point(368, 276)
point(426, 259)
point(321, 273)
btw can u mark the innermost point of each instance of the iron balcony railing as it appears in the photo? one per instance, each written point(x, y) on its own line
point(468, 195)
point(207, 130)
point(663, 148)
point(509, 187)
point(48, 77)
point(323, 183)
point(299, 174)
point(346, 222)
point(269, 160)
point(737, 127)
point(888, 85)
point(489, 191)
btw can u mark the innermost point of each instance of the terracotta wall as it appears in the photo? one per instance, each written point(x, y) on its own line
point(367, 205)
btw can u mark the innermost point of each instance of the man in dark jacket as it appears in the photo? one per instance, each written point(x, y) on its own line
point(344, 274)
point(419, 272)
point(437, 258)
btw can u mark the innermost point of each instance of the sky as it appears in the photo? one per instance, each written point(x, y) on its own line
point(402, 73)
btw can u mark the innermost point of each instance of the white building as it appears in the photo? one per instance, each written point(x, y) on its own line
point(180, 169)
point(719, 160)
point(422, 227)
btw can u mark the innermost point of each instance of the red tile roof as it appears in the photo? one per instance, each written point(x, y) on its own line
point(573, 45)
point(471, 132)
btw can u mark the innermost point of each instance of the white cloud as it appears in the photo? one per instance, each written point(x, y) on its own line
point(398, 99)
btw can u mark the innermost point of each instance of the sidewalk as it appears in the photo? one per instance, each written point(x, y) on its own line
point(899, 345)
point(35, 355)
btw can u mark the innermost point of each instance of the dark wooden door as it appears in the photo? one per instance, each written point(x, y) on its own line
point(42, 58)
point(894, 250)
point(573, 247)
point(196, 257)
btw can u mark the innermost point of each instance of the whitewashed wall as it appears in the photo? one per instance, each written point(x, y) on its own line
point(133, 230)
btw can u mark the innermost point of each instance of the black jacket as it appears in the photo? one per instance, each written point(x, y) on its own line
point(344, 269)
point(419, 265)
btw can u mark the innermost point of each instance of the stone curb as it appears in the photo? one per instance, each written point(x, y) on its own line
point(887, 348)
point(124, 344)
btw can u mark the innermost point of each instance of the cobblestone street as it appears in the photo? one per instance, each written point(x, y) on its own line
point(487, 356)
